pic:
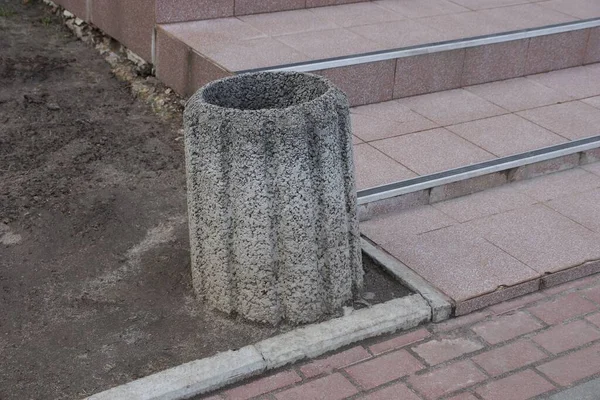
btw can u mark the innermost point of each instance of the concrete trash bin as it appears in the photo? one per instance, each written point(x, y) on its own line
point(271, 197)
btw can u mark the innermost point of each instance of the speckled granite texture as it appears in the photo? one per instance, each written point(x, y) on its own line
point(271, 197)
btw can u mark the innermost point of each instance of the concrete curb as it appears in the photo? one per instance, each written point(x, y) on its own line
point(317, 339)
point(441, 305)
point(190, 379)
point(208, 374)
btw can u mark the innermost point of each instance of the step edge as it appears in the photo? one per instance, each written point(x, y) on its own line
point(395, 189)
point(441, 305)
point(429, 48)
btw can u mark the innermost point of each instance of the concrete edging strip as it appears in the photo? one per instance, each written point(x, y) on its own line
point(441, 305)
point(190, 379)
point(208, 374)
point(314, 340)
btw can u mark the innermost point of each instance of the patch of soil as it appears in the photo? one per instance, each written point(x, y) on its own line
point(95, 288)
point(379, 285)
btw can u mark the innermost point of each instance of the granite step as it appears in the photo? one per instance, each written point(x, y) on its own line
point(433, 147)
point(501, 243)
point(383, 50)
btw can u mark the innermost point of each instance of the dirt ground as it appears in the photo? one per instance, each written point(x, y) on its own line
point(94, 263)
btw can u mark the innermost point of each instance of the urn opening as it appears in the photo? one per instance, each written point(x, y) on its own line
point(265, 90)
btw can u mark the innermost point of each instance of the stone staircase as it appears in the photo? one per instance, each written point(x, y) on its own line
point(374, 50)
point(457, 106)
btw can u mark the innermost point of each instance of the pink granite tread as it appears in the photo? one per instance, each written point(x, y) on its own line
point(434, 132)
point(476, 248)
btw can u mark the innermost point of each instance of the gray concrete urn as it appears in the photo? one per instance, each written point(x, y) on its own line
point(271, 197)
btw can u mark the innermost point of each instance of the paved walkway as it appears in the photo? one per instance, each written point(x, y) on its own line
point(535, 346)
point(420, 135)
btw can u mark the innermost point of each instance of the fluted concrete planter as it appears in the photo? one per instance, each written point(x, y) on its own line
point(271, 197)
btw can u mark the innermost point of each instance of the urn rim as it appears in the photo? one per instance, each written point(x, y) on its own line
point(264, 92)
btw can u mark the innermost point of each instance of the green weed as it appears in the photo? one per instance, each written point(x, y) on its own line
point(6, 12)
point(46, 21)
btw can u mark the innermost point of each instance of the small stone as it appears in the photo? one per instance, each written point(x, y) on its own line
point(168, 91)
point(52, 106)
point(368, 295)
point(10, 238)
point(68, 14)
point(78, 21)
point(112, 59)
point(78, 30)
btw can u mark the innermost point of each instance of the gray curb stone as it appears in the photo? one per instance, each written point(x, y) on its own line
point(190, 379)
point(208, 374)
point(441, 305)
point(314, 340)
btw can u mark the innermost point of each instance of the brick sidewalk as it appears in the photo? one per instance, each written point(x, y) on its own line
point(529, 347)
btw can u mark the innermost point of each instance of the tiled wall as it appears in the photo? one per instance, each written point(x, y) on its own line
point(131, 22)
point(77, 7)
point(187, 10)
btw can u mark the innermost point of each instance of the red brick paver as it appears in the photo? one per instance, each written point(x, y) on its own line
point(394, 392)
point(506, 327)
point(521, 386)
point(263, 385)
point(438, 351)
point(593, 294)
point(573, 367)
point(563, 308)
point(384, 369)
point(594, 319)
point(463, 396)
point(336, 361)
point(502, 352)
point(400, 341)
point(446, 380)
point(332, 387)
point(566, 337)
point(510, 357)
